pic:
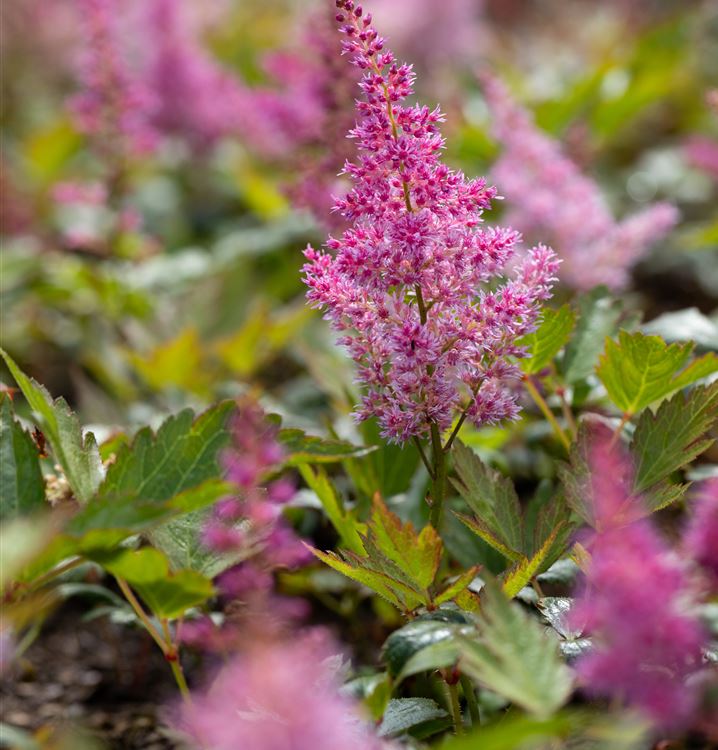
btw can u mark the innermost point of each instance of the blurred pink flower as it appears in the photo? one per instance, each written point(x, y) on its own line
point(405, 283)
point(251, 523)
point(635, 604)
point(702, 534)
point(115, 105)
point(197, 99)
point(702, 153)
point(277, 696)
point(548, 196)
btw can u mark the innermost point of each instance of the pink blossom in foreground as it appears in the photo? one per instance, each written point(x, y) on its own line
point(115, 105)
point(251, 523)
point(635, 604)
point(548, 196)
point(404, 284)
point(277, 696)
point(702, 153)
point(702, 535)
point(196, 98)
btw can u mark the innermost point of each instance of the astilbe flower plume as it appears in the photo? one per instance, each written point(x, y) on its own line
point(404, 283)
point(548, 196)
point(115, 105)
point(635, 603)
point(250, 524)
point(277, 696)
point(702, 534)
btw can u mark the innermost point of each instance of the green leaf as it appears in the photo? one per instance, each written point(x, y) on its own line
point(403, 714)
point(493, 499)
point(167, 594)
point(307, 449)
point(16, 738)
point(22, 489)
point(348, 528)
point(455, 588)
point(416, 555)
point(522, 573)
point(599, 313)
point(515, 731)
point(78, 455)
point(425, 632)
point(674, 436)
point(548, 339)
point(515, 658)
point(183, 454)
point(640, 370)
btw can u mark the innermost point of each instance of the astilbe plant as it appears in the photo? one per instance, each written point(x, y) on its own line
point(415, 283)
point(275, 696)
point(701, 537)
point(548, 196)
point(250, 524)
point(636, 603)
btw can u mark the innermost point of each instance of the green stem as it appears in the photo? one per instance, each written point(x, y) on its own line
point(163, 640)
point(57, 571)
point(546, 411)
point(438, 481)
point(471, 702)
point(175, 664)
point(453, 689)
point(422, 454)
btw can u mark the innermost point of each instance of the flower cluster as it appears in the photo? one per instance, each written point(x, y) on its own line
point(405, 283)
point(276, 696)
point(548, 196)
point(635, 604)
point(114, 105)
point(702, 534)
point(251, 523)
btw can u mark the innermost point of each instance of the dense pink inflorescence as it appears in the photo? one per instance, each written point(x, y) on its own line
point(702, 534)
point(251, 523)
point(277, 696)
point(115, 105)
point(635, 604)
point(404, 283)
point(548, 196)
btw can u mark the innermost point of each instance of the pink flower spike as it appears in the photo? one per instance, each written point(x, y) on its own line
point(547, 196)
point(701, 538)
point(636, 605)
point(406, 283)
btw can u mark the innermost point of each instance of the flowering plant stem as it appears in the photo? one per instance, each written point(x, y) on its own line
point(453, 690)
point(162, 639)
point(546, 411)
point(471, 703)
point(438, 476)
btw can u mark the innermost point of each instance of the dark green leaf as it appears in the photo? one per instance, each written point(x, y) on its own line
point(403, 714)
point(78, 455)
point(22, 489)
point(514, 657)
point(306, 449)
point(183, 454)
point(674, 436)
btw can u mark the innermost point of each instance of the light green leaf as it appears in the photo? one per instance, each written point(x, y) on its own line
point(674, 436)
point(403, 714)
point(78, 455)
point(183, 454)
point(521, 574)
point(640, 370)
point(515, 658)
point(167, 594)
point(22, 489)
point(455, 588)
point(599, 313)
point(548, 339)
point(348, 528)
